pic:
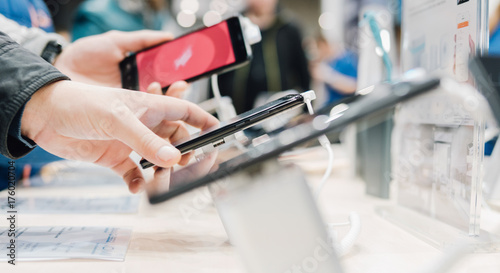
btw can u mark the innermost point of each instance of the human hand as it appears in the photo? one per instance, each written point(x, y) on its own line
point(95, 59)
point(175, 90)
point(103, 125)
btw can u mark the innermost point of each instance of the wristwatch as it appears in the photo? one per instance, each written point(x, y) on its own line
point(51, 51)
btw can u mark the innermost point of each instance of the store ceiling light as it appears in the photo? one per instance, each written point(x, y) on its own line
point(186, 18)
point(326, 21)
point(190, 5)
point(219, 6)
point(211, 18)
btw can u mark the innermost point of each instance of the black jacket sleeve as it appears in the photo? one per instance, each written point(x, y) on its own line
point(22, 73)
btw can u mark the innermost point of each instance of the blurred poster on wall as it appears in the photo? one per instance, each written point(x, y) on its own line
point(441, 36)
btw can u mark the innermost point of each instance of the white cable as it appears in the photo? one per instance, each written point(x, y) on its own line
point(217, 97)
point(323, 140)
point(343, 246)
point(348, 241)
point(215, 88)
point(326, 144)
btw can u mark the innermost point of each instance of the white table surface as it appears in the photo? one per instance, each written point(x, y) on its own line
point(164, 240)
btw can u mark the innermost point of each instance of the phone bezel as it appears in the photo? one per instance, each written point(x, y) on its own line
point(241, 50)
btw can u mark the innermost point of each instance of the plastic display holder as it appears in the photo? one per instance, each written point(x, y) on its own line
point(271, 218)
point(437, 149)
point(373, 134)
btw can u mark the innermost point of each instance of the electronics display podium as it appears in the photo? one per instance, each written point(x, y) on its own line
point(439, 149)
point(438, 169)
point(267, 209)
point(215, 164)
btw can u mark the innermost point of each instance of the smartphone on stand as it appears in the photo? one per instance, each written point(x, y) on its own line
point(216, 136)
point(216, 49)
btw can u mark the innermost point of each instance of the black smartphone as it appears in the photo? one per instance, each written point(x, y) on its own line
point(207, 51)
point(236, 124)
point(219, 164)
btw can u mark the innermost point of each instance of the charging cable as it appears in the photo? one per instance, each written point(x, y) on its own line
point(224, 111)
point(309, 96)
point(343, 246)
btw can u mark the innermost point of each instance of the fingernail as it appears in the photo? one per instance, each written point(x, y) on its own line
point(167, 153)
point(136, 185)
point(180, 84)
point(137, 180)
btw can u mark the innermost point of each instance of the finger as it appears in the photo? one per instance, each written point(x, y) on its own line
point(141, 139)
point(176, 132)
point(138, 40)
point(177, 89)
point(131, 174)
point(154, 88)
point(160, 182)
point(185, 158)
point(172, 109)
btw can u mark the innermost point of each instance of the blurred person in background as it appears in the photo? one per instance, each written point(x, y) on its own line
point(99, 16)
point(35, 17)
point(336, 67)
point(495, 32)
point(279, 61)
point(93, 60)
point(28, 13)
point(62, 15)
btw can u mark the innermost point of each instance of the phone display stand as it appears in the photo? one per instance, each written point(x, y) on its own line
point(437, 148)
point(271, 217)
point(438, 140)
point(373, 135)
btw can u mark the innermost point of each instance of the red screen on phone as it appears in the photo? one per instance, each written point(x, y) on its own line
point(186, 57)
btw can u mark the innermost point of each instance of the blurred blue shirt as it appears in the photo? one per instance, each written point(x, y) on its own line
point(99, 16)
point(29, 13)
point(346, 64)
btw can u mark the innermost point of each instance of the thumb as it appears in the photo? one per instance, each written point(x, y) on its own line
point(146, 143)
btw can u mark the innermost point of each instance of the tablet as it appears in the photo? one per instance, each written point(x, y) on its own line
point(218, 164)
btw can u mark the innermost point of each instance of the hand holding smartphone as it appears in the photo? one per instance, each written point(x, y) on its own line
point(238, 123)
point(204, 52)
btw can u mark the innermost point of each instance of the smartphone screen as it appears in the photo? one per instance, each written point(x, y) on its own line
point(186, 57)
